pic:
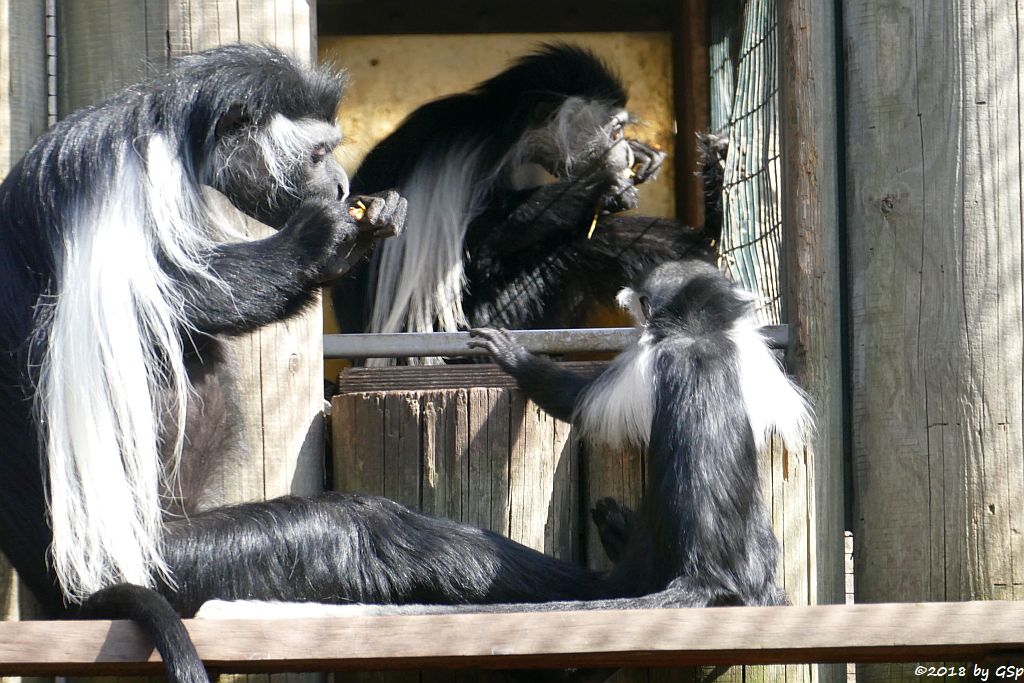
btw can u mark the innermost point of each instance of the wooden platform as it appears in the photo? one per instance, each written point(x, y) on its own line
point(976, 632)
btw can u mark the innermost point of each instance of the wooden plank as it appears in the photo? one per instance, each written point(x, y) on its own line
point(813, 480)
point(358, 442)
point(392, 17)
point(933, 120)
point(482, 464)
point(440, 377)
point(22, 78)
point(981, 631)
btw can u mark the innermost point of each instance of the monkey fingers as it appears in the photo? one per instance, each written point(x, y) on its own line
point(647, 161)
point(382, 214)
point(501, 345)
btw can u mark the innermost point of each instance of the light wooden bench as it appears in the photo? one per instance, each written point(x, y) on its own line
point(915, 632)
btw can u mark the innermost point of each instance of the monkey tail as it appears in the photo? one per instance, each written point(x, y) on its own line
point(154, 614)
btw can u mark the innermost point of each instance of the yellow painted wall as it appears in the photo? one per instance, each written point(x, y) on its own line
point(390, 76)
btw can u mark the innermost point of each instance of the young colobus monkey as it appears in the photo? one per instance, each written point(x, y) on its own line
point(701, 390)
point(515, 189)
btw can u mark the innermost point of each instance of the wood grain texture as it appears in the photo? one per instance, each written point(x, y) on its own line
point(107, 44)
point(483, 455)
point(812, 299)
point(934, 213)
point(988, 631)
point(22, 119)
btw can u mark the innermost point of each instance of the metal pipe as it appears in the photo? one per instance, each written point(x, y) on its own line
point(412, 344)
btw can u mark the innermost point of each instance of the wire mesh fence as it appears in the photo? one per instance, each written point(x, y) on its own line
point(744, 105)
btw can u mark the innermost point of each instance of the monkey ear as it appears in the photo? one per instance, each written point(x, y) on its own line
point(233, 122)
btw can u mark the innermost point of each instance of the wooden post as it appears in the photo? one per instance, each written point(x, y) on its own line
point(104, 45)
point(483, 455)
point(692, 96)
point(934, 129)
point(22, 119)
point(812, 283)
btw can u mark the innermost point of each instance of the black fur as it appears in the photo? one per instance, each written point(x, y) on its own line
point(206, 109)
point(528, 259)
point(354, 548)
point(702, 535)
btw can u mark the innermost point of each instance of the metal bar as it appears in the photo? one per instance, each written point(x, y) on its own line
point(411, 344)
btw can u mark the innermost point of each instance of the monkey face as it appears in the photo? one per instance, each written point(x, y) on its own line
point(268, 169)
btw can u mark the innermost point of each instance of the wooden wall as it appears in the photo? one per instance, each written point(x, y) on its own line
point(933, 149)
point(487, 456)
point(106, 45)
point(22, 119)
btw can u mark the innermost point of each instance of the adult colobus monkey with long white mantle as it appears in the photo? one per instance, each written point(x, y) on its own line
point(117, 270)
point(515, 191)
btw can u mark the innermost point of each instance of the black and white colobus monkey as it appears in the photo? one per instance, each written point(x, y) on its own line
point(117, 269)
point(504, 183)
point(118, 272)
point(701, 390)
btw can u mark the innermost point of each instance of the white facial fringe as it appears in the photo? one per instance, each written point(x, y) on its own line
point(578, 131)
point(289, 143)
point(113, 362)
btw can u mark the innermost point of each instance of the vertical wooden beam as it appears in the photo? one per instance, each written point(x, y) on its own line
point(933, 148)
point(22, 119)
point(812, 283)
point(692, 96)
point(106, 44)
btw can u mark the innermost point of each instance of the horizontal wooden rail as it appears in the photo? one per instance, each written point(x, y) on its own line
point(966, 631)
point(402, 344)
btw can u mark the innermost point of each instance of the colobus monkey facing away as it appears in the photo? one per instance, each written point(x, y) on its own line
point(701, 390)
point(514, 191)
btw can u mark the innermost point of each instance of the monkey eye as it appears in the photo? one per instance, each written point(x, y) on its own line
point(645, 307)
point(319, 154)
point(617, 131)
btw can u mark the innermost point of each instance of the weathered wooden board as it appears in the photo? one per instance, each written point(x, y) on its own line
point(983, 633)
point(933, 133)
point(812, 293)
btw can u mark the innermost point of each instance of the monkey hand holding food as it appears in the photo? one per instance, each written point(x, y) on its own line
point(368, 218)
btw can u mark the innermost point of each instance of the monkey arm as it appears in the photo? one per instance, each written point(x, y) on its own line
point(553, 388)
point(266, 280)
point(272, 279)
